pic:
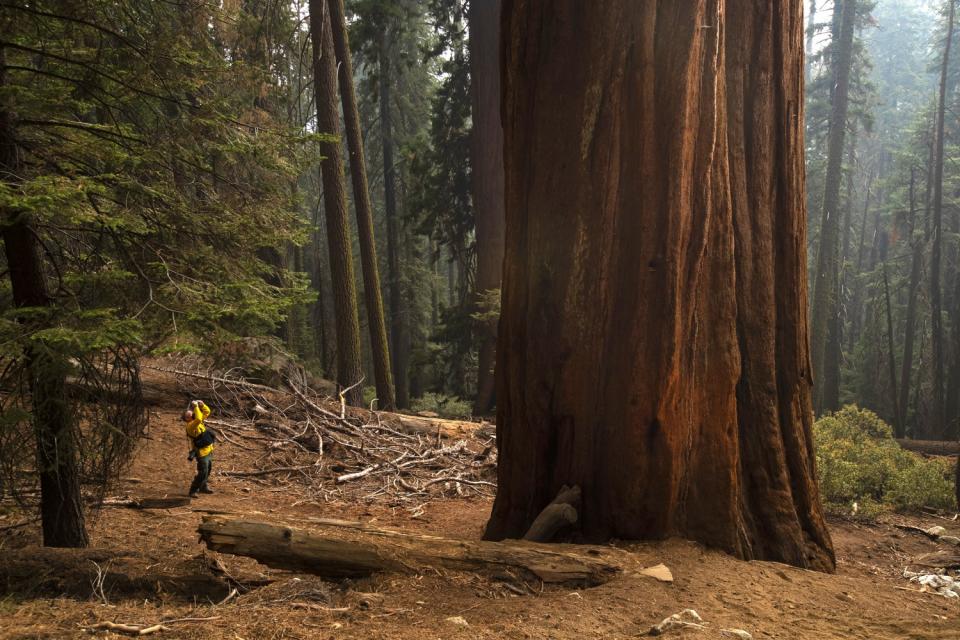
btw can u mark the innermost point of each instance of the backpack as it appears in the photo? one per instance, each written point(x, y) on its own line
point(205, 439)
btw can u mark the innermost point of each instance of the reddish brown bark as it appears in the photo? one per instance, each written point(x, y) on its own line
point(487, 174)
point(379, 348)
point(653, 343)
point(349, 368)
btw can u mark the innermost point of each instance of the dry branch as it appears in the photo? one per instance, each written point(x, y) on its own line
point(338, 549)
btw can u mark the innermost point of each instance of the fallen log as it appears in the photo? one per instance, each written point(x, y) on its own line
point(338, 549)
point(931, 447)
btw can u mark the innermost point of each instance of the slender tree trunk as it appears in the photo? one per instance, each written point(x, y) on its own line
point(811, 29)
point(935, 289)
point(891, 356)
point(916, 265)
point(487, 174)
point(826, 283)
point(397, 307)
point(677, 395)
point(349, 368)
point(856, 313)
point(61, 506)
point(379, 347)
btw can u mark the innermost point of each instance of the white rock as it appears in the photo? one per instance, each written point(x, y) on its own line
point(736, 633)
point(935, 581)
point(935, 531)
point(458, 620)
point(949, 540)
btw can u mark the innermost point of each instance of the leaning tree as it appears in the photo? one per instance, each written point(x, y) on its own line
point(653, 343)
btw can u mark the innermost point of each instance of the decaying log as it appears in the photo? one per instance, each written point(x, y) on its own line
point(931, 447)
point(560, 513)
point(338, 549)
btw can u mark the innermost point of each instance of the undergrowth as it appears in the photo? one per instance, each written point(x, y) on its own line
point(859, 463)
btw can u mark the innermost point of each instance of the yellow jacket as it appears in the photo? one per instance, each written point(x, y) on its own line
point(195, 427)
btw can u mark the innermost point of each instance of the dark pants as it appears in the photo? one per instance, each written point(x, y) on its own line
point(203, 472)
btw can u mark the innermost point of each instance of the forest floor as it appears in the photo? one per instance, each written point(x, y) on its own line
point(153, 568)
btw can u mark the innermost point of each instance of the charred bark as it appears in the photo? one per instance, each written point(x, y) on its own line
point(653, 342)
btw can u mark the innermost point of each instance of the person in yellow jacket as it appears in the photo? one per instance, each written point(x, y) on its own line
point(201, 445)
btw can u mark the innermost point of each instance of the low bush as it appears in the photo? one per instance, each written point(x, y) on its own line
point(858, 461)
point(450, 407)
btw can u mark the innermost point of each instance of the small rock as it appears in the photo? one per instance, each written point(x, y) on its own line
point(458, 620)
point(935, 532)
point(949, 540)
point(659, 572)
point(736, 633)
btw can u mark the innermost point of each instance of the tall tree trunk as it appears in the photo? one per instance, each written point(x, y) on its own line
point(349, 368)
point(397, 311)
point(61, 506)
point(826, 283)
point(811, 29)
point(856, 313)
point(891, 355)
point(916, 265)
point(936, 307)
point(677, 395)
point(487, 175)
point(379, 347)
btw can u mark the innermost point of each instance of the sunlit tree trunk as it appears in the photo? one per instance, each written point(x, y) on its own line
point(373, 299)
point(61, 506)
point(487, 175)
point(339, 243)
point(653, 342)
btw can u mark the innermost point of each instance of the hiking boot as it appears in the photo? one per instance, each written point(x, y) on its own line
point(206, 490)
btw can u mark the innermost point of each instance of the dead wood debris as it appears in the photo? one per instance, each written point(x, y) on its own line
point(332, 453)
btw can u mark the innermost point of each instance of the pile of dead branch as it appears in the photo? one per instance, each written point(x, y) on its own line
point(333, 449)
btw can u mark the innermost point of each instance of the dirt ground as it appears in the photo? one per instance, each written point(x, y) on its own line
point(146, 566)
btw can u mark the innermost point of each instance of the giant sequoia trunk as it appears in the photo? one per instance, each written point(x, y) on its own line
point(379, 348)
point(349, 368)
point(61, 507)
point(653, 341)
point(487, 174)
point(825, 326)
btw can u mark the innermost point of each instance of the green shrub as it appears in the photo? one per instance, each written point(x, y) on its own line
point(859, 461)
point(444, 406)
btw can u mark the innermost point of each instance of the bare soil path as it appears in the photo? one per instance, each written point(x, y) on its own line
point(153, 569)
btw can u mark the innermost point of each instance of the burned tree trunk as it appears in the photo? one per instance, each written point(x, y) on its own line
point(349, 368)
point(486, 149)
point(653, 341)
